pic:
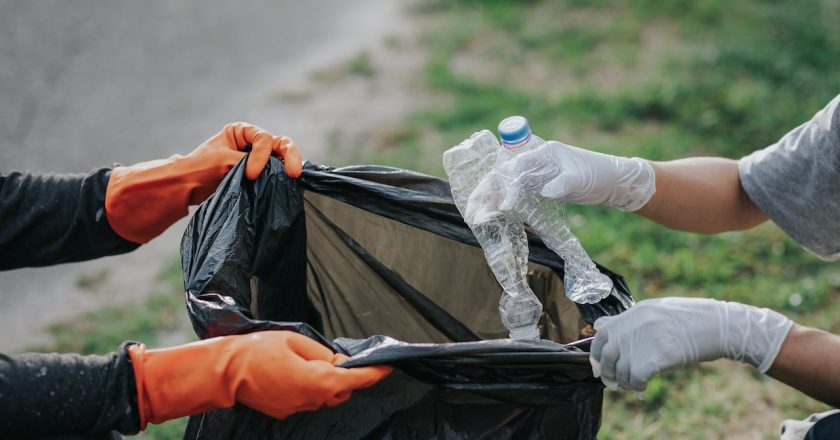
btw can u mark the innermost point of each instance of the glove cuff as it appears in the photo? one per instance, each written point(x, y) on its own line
point(635, 187)
point(754, 335)
point(183, 380)
point(144, 199)
point(779, 334)
point(136, 353)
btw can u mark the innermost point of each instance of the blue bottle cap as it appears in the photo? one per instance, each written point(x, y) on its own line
point(514, 131)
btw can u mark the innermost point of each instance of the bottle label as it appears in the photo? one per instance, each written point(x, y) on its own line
point(517, 145)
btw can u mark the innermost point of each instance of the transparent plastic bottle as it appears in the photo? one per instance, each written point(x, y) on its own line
point(501, 235)
point(525, 170)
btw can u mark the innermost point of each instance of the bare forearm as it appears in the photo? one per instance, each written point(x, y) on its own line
point(701, 194)
point(809, 361)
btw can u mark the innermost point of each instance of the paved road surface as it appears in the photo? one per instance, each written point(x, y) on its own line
point(84, 84)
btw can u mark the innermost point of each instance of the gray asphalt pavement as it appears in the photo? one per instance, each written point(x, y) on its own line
point(84, 84)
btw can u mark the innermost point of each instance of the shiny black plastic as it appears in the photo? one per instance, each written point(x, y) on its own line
point(250, 264)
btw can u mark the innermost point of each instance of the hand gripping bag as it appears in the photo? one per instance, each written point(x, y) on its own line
point(376, 263)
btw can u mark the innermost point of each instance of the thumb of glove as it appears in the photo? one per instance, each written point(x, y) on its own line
point(596, 366)
point(571, 186)
point(598, 345)
point(556, 188)
point(602, 321)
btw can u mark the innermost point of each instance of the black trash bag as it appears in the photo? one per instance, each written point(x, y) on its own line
point(376, 263)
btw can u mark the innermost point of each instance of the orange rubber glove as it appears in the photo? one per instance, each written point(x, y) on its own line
point(142, 200)
point(278, 373)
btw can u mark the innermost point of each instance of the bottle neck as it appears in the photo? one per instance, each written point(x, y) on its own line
point(518, 145)
point(528, 144)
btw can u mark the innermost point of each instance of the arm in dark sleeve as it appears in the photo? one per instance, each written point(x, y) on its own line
point(49, 219)
point(49, 394)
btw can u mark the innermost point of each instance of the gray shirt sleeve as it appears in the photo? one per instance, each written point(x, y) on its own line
point(796, 182)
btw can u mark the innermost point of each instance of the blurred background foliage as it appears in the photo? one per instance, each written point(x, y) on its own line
point(660, 80)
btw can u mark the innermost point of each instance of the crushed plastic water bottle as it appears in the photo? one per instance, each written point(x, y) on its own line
point(525, 165)
point(500, 234)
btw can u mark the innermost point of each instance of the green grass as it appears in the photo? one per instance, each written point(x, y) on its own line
point(724, 79)
point(660, 80)
point(171, 430)
point(361, 65)
point(103, 330)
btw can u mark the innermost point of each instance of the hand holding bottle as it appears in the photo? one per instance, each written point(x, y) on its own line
point(589, 178)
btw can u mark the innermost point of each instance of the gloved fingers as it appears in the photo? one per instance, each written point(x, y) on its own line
point(339, 398)
point(350, 379)
point(308, 348)
point(602, 322)
point(555, 188)
point(262, 145)
point(602, 337)
point(240, 135)
point(640, 375)
point(623, 371)
point(486, 200)
point(596, 366)
point(289, 151)
point(595, 351)
point(332, 385)
point(570, 176)
point(597, 345)
point(339, 359)
point(609, 359)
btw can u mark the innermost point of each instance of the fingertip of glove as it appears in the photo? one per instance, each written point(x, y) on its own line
point(339, 398)
point(600, 322)
point(555, 188)
point(379, 371)
point(293, 169)
point(289, 151)
point(257, 161)
point(596, 366)
point(639, 386)
point(374, 374)
point(611, 384)
point(339, 359)
point(385, 369)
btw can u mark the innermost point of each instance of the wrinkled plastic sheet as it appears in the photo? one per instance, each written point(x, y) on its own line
point(245, 266)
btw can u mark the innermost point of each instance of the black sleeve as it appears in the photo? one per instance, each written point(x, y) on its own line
point(50, 394)
point(55, 218)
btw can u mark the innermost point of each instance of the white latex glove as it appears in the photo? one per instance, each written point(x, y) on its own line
point(590, 178)
point(503, 187)
point(485, 202)
point(562, 172)
point(663, 334)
